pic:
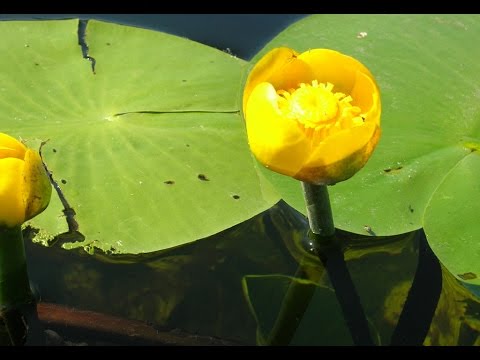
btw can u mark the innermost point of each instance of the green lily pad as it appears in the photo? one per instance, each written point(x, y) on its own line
point(321, 324)
point(425, 164)
point(149, 151)
point(451, 219)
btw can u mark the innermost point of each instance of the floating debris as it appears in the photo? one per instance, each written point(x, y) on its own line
point(362, 34)
point(467, 276)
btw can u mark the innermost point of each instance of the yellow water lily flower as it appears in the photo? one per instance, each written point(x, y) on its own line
point(314, 116)
point(25, 187)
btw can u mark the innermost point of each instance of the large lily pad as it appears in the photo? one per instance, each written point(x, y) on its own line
point(149, 151)
point(425, 169)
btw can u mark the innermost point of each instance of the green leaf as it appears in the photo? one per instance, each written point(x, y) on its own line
point(428, 72)
point(149, 151)
point(322, 322)
point(451, 219)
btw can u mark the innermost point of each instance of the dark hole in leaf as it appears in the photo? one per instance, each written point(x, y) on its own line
point(54, 150)
point(63, 181)
point(36, 64)
point(169, 182)
point(410, 208)
point(187, 145)
point(203, 177)
point(392, 169)
point(467, 276)
point(236, 197)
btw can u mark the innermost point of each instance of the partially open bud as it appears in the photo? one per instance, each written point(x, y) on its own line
point(314, 116)
point(25, 187)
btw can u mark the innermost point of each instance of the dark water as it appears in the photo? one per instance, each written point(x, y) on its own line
point(243, 34)
point(232, 284)
point(197, 289)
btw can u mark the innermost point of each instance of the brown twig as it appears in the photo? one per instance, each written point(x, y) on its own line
point(119, 331)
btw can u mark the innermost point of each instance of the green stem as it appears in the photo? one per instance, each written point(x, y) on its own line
point(330, 252)
point(18, 308)
point(294, 304)
point(14, 283)
point(298, 296)
point(319, 212)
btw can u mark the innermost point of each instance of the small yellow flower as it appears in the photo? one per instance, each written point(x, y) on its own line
point(25, 187)
point(314, 116)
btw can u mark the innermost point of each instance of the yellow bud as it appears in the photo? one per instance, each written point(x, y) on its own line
point(314, 116)
point(25, 187)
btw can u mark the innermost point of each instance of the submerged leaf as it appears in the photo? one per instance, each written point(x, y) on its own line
point(322, 323)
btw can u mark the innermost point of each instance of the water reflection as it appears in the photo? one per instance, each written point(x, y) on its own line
point(198, 288)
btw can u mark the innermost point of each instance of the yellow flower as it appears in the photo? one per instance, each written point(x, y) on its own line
point(25, 188)
point(314, 116)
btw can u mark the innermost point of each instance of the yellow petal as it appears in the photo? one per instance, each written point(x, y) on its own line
point(276, 141)
point(279, 67)
point(11, 153)
point(38, 189)
point(334, 67)
point(6, 141)
point(366, 96)
point(12, 205)
point(341, 155)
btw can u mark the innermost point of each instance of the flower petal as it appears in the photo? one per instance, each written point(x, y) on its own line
point(12, 205)
point(366, 96)
point(276, 141)
point(6, 141)
point(281, 68)
point(341, 155)
point(11, 153)
point(38, 189)
point(334, 67)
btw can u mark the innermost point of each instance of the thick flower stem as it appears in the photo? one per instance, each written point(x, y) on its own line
point(14, 284)
point(298, 297)
point(17, 304)
point(319, 212)
point(330, 253)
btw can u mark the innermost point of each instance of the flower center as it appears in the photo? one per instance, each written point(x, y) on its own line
point(318, 109)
